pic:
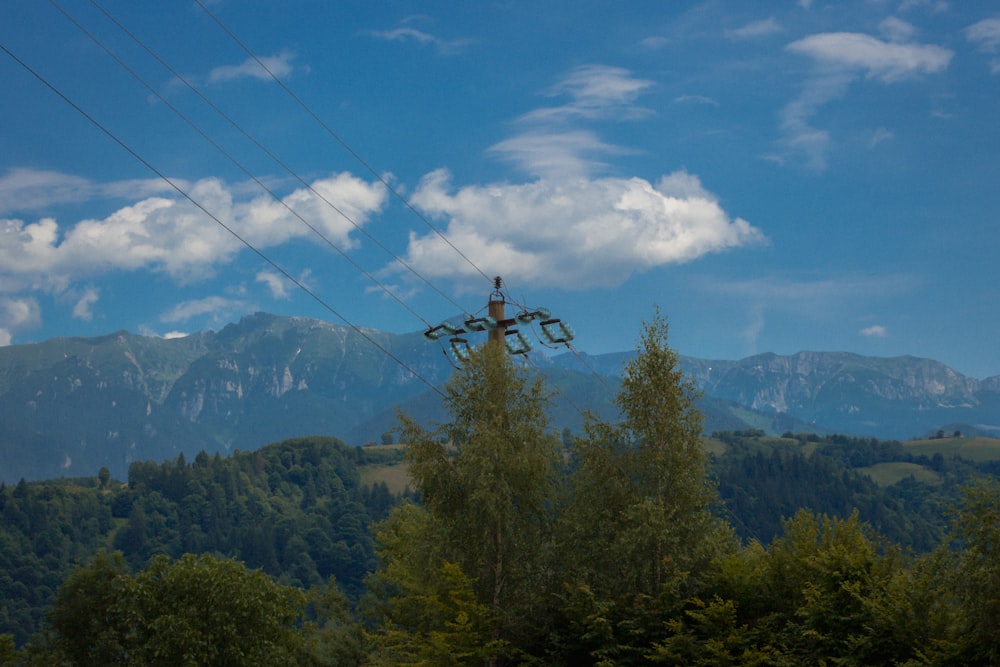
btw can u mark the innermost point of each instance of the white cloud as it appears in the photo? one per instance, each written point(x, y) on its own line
point(801, 138)
point(171, 335)
point(879, 135)
point(897, 30)
point(276, 283)
point(82, 308)
point(553, 145)
point(756, 29)
point(875, 331)
point(556, 155)
point(933, 6)
point(218, 306)
point(886, 61)
point(573, 234)
point(695, 99)
point(595, 92)
point(986, 36)
point(31, 189)
point(654, 43)
point(406, 33)
point(17, 314)
point(173, 236)
point(23, 189)
point(280, 65)
point(840, 58)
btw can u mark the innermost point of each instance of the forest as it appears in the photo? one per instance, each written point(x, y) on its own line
point(638, 542)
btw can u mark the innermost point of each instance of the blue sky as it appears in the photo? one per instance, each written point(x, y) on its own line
point(776, 177)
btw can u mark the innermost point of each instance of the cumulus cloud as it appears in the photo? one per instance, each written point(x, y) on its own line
point(841, 58)
point(557, 155)
point(17, 314)
point(572, 234)
point(25, 189)
point(570, 228)
point(875, 331)
point(279, 64)
point(173, 236)
point(897, 30)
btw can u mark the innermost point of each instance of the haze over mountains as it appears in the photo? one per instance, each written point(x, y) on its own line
point(71, 405)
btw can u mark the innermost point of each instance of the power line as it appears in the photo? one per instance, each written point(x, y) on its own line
point(272, 155)
point(239, 165)
point(338, 138)
point(229, 229)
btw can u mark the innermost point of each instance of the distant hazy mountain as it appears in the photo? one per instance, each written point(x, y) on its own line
point(71, 405)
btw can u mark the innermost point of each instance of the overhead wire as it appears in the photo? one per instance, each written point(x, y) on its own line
point(288, 169)
point(218, 221)
point(305, 107)
point(237, 163)
point(235, 125)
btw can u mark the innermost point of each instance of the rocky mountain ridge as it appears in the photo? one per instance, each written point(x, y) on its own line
point(71, 405)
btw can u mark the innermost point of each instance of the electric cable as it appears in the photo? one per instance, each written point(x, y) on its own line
point(238, 164)
point(337, 137)
point(583, 361)
point(229, 229)
point(272, 155)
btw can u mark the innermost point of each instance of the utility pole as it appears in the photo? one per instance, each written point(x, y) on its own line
point(497, 312)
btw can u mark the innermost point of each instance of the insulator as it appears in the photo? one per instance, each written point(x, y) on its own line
point(519, 344)
point(528, 316)
point(442, 330)
point(480, 324)
point(460, 349)
point(563, 335)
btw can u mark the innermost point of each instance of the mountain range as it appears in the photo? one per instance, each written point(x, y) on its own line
point(69, 406)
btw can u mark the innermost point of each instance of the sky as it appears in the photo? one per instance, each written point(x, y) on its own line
point(774, 177)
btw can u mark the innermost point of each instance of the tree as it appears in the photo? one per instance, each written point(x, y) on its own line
point(486, 480)
point(104, 476)
point(977, 580)
point(197, 610)
point(640, 500)
point(87, 616)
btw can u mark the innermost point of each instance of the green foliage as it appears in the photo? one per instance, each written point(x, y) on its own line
point(198, 610)
point(426, 607)
point(486, 479)
point(977, 529)
point(295, 509)
point(602, 547)
point(638, 530)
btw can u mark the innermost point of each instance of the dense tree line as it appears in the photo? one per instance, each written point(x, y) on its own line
point(764, 481)
point(611, 548)
point(295, 510)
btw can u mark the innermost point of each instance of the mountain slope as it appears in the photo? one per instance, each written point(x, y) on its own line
point(71, 405)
